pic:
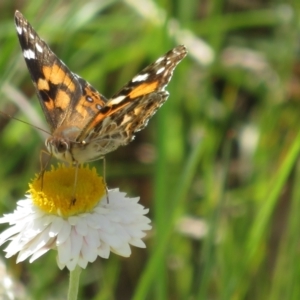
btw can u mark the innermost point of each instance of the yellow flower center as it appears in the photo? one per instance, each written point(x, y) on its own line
point(60, 196)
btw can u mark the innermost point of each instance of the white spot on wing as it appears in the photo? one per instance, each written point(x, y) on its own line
point(140, 77)
point(117, 100)
point(39, 48)
point(29, 54)
point(31, 35)
point(160, 70)
point(19, 29)
point(159, 60)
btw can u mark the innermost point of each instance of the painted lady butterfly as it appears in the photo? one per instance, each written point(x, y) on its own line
point(84, 124)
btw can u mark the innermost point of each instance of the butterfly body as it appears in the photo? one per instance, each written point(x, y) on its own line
point(85, 125)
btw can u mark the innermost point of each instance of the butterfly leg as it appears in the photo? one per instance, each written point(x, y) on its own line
point(104, 178)
point(73, 200)
point(43, 167)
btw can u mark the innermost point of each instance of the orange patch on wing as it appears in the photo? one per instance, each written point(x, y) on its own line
point(84, 107)
point(81, 107)
point(69, 83)
point(62, 99)
point(49, 104)
point(57, 75)
point(43, 84)
point(143, 89)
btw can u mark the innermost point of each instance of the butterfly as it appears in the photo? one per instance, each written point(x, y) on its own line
point(85, 125)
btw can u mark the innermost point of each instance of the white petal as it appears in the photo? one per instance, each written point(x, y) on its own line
point(93, 222)
point(34, 228)
point(59, 264)
point(137, 243)
point(56, 226)
point(63, 251)
point(104, 250)
point(124, 250)
point(112, 240)
point(92, 238)
point(49, 219)
point(82, 262)
point(76, 244)
point(8, 233)
point(73, 220)
point(101, 210)
point(38, 254)
point(104, 223)
point(64, 234)
point(71, 264)
point(89, 253)
point(39, 241)
point(82, 227)
point(13, 248)
point(43, 250)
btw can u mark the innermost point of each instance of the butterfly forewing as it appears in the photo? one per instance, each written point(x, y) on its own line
point(66, 98)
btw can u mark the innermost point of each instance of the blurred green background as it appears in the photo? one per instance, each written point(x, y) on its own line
point(217, 166)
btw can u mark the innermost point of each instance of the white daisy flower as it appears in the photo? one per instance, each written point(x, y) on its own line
point(80, 228)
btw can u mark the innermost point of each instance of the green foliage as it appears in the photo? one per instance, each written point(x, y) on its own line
point(218, 165)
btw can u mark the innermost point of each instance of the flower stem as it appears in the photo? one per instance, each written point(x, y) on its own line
point(74, 283)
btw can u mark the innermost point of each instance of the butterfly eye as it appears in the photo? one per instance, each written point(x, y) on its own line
point(62, 146)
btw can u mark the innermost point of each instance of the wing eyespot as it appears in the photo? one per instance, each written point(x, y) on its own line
point(89, 99)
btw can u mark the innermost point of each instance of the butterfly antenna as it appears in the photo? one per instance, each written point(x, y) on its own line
point(14, 118)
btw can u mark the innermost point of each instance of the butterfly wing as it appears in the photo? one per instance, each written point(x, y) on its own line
point(78, 115)
point(129, 110)
point(66, 99)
